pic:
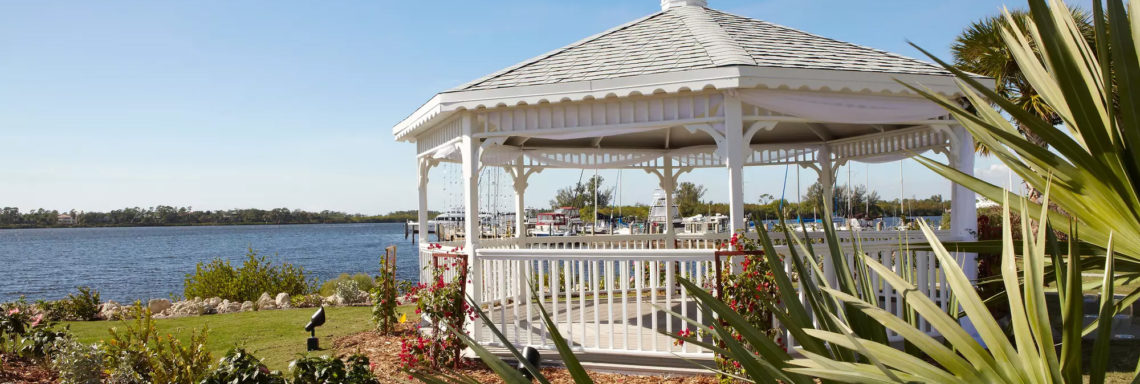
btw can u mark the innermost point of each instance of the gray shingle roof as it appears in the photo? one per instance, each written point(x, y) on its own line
point(689, 38)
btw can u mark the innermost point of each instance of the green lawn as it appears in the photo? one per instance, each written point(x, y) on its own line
point(276, 337)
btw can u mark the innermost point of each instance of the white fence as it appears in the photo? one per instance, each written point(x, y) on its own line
point(608, 293)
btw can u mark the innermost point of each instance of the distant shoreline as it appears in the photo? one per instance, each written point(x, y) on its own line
point(32, 226)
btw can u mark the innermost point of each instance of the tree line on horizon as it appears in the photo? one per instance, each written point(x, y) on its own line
point(848, 201)
point(163, 215)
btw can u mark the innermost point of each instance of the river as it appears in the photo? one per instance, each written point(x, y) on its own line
point(125, 264)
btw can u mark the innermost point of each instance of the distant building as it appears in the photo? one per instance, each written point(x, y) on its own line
point(65, 220)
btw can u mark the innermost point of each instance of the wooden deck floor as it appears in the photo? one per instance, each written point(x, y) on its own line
point(631, 327)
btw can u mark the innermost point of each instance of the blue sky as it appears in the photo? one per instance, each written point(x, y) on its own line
point(221, 104)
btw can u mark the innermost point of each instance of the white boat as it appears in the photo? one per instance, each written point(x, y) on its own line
point(658, 215)
point(557, 223)
point(698, 224)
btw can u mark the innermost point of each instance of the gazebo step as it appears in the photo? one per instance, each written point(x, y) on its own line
point(622, 363)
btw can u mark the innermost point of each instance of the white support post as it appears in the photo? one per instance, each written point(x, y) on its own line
point(963, 208)
point(733, 151)
point(422, 214)
point(963, 211)
point(422, 228)
point(471, 228)
point(827, 181)
point(667, 181)
point(520, 185)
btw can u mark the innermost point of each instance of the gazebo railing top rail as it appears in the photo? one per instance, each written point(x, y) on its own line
point(707, 241)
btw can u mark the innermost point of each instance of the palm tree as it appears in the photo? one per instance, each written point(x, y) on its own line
point(981, 50)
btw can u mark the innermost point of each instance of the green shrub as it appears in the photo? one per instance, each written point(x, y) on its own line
point(39, 342)
point(363, 282)
point(83, 306)
point(306, 301)
point(77, 363)
point(329, 370)
point(256, 276)
point(349, 291)
point(239, 367)
point(138, 354)
point(80, 306)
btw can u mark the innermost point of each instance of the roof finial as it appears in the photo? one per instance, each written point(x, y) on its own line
point(666, 4)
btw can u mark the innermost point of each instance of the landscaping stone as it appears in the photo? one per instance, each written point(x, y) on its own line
point(265, 302)
point(110, 310)
point(247, 306)
point(187, 308)
point(229, 307)
point(282, 300)
point(159, 305)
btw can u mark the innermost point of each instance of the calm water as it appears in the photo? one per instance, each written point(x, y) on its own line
point(139, 263)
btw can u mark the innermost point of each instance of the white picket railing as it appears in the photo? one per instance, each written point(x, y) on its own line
point(606, 293)
point(601, 300)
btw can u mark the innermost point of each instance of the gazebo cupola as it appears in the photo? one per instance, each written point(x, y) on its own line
point(683, 88)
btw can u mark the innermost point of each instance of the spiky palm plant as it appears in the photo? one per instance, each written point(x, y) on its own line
point(1093, 90)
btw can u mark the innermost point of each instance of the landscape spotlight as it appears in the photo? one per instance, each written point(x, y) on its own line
point(531, 355)
point(317, 320)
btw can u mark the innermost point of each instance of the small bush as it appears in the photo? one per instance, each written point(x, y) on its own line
point(77, 363)
point(239, 367)
point(306, 301)
point(80, 306)
point(138, 354)
point(176, 363)
point(363, 281)
point(350, 292)
point(83, 306)
point(39, 342)
point(256, 275)
point(327, 370)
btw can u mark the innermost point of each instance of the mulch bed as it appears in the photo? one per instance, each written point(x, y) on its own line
point(19, 371)
point(383, 352)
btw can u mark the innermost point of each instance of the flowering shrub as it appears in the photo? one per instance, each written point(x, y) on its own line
point(26, 333)
point(443, 305)
point(14, 321)
point(750, 291)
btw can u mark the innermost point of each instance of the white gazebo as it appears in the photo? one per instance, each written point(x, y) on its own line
point(684, 88)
